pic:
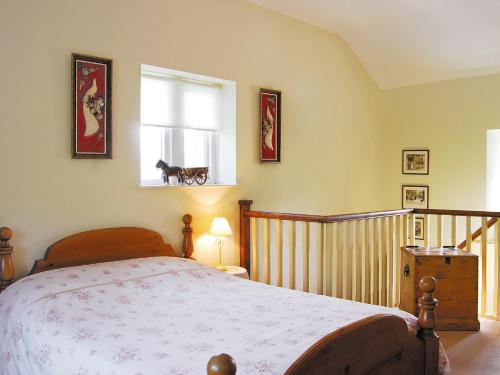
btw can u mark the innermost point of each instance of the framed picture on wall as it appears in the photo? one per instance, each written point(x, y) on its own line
point(270, 126)
point(91, 107)
point(419, 228)
point(415, 161)
point(415, 196)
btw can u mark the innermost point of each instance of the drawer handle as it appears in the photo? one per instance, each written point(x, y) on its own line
point(406, 270)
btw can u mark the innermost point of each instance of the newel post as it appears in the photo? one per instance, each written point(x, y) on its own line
point(245, 234)
point(187, 242)
point(427, 322)
point(6, 265)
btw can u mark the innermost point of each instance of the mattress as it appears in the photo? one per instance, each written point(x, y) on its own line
point(162, 315)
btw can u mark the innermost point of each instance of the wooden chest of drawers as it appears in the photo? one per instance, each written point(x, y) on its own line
point(456, 272)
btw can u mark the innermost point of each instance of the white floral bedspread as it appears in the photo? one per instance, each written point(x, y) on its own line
point(160, 316)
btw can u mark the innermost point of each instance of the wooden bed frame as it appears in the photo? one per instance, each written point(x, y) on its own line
point(379, 344)
point(96, 246)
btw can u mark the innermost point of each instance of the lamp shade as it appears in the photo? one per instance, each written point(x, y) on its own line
point(220, 227)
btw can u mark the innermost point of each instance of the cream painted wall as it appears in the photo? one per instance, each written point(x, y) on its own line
point(451, 119)
point(330, 117)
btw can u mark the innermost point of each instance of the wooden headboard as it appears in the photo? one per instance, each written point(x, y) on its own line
point(103, 245)
point(96, 246)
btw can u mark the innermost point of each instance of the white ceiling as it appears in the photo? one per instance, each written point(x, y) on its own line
point(407, 42)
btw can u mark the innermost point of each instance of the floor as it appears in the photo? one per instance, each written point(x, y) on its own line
point(474, 352)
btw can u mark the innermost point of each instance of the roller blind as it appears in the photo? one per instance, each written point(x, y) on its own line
point(180, 103)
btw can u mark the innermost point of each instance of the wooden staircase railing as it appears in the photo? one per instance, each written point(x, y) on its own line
point(477, 233)
point(356, 256)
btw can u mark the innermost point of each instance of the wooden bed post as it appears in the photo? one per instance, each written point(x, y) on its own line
point(187, 243)
point(6, 265)
point(427, 323)
point(222, 364)
point(245, 234)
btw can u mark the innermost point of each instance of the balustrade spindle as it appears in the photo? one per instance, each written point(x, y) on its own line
point(335, 245)
point(412, 229)
point(399, 218)
point(279, 253)
point(305, 256)
point(329, 259)
point(348, 269)
point(375, 263)
point(405, 230)
point(292, 249)
point(484, 249)
point(255, 249)
point(390, 282)
point(266, 233)
point(366, 263)
point(468, 229)
point(439, 229)
point(453, 230)
point(340, 260)
point(383, 262)
point(319, 258)
point(359, 261)
point(426, 230)
point(496, 280)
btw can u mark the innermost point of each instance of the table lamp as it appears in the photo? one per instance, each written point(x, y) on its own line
point(220, 228)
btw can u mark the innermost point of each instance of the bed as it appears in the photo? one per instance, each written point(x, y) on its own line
point(119, 301)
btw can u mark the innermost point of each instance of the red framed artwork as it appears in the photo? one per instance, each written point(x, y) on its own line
point(270, 126)
point(91, 126)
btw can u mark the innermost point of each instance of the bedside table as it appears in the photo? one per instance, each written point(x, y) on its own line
point(237, 271)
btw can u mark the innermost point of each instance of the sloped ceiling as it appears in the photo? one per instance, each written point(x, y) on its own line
point(408, 42)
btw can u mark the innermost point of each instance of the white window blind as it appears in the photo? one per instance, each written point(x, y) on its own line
point(180, 119)
point(180, 103)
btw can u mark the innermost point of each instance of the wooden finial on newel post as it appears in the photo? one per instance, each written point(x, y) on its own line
point(222, 364)
point(6, 265)
point(187, 243)
point(245, 234)
point(427, 322)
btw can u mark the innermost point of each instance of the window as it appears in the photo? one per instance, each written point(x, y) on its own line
point(184, 121)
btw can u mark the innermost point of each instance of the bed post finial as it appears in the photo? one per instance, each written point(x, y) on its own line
point(427, 322)
point(222, 364)
point(6, 265)
point(245, 234)
point(187, 231)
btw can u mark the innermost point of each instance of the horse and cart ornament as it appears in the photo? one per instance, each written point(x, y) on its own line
point(184, 175)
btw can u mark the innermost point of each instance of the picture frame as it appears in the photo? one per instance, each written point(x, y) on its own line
point(415, 162)
point(91, 126)
point(270, 126)
point(415, 196)
point(419, 228)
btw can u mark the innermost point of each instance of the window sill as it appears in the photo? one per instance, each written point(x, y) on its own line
point(194, 186)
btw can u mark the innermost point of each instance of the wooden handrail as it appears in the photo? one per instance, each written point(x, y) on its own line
point(432, 211)
point(477, 232)
point(326, 218)
point(366, 215)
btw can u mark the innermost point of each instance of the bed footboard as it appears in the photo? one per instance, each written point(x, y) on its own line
point(374, 345)
point(379, 344)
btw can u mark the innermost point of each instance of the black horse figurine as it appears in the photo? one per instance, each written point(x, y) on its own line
point(169, 171)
